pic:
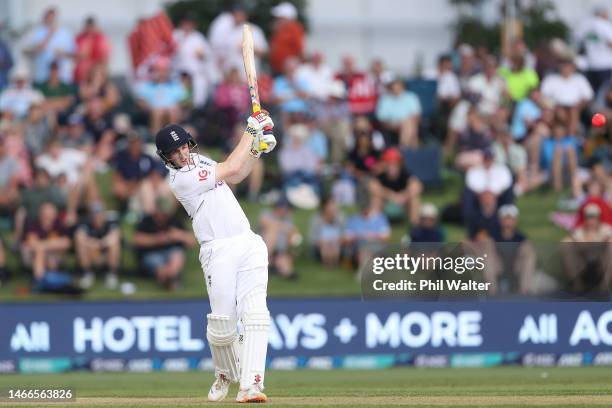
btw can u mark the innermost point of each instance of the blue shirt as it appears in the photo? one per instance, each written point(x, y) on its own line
point(62, 40)
point(361, 227)
point(161, 94)
point(525, 110)
point(318, 144)
point(395, 109)
point(286, 90)
point(133, 169)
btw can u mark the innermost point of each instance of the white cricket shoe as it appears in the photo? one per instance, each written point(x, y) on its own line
point(219, 389)
point(251, 394)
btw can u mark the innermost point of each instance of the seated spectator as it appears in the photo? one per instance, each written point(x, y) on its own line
point(482, 222)
point(38, 129)
point(15, 101)
point(46, 242)
point(326, 228)
point(77, 137)
point(74, 174)
point(560, 151)
point(490, 86)
point(428, 229)
point(280, 234)
point(366, 232)
point(360, 89)
point(9, 193)
point(333, 117)
point(98, 246)
point(448, 91)
point(15, 147)
point(468, 66)
point(516, 256)
point(290, 92)
point(299, 163)
point(99, 123)
point(160, 239)
point(396, 188)
point(97, 84)
point(569, 91)
point(59, 96)
point(526, 114)
point(514, 156)
point(318, 75)
point(399, 114)
point(473, 141)
point(364, 159)
point(587, 254)
point(594, 195)
point(161, 96)
point(520, 80)
point(231, 101)
point(32, 198)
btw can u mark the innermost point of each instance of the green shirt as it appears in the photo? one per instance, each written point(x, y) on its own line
point(519, 83)
point(58, 91)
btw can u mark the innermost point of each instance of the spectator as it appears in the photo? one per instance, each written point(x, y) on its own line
point(490, 86)
point(92, 49)
point(290, 92)
point(595, 35)
point(594, 195)
point(98, 123)
point(586, 254)
point(489, 176)
point(287, 38)
point(364, 158)
point(468, 66)
point(97, 84)
point(333, 117)
point(526, 114)
point(558, 151)
point(6, 63)
point(299, 164)
point(59, 96)
point(9, 194)
point(448, 92)
point(520, 80)
point(16, 148)
point(396, 188)
point(46, 242)
point(161, 96)
point(98, 245)
point(569, 91)
point(366, 232)
point(15, 101)
point(194, 56)
point(428, 229)
point(38, 128)
point(326, 228)
point(318, 75)
point(231, 101)
point(47, 43)
point(161, 239)
point(516, 256)
point(132, 170)
point(360, 88)
point(32, 198)
point(280, 234)
point(380, 76)
point(473, 141)
point(399, 114)
point(77, 137)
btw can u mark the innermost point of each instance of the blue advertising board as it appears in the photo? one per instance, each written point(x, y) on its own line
point(330, 333)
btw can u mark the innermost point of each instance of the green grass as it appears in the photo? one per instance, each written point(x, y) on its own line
point(500, 386)
point(314, 279)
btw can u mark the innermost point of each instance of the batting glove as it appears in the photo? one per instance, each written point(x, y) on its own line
point(262, 143)
point(258, 122)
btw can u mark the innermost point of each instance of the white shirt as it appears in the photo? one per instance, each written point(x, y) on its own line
point(496, 179)
point(596, 34)
point(319, 79)
point(189, 46)
point(18, 101)
point(490, 91)
point(567, 91)
point(448, 86)
point(214, 211)
point(68, 163)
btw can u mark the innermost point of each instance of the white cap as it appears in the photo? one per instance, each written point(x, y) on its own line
point(285, 10)
point(429, 210)
point(20, 71)
point(508, 210)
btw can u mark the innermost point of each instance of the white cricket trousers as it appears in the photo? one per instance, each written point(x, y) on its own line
point(233, 268)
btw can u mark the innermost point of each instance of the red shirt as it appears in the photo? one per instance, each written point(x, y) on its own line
point(361, 92)
point(606, 212)
point(92, 48)
point(287, 41)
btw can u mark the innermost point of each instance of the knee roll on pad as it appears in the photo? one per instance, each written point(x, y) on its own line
point(222, 337)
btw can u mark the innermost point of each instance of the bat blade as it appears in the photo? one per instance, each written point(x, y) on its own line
point(248, 57)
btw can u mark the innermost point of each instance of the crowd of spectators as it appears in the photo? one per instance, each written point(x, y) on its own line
point(507, 124)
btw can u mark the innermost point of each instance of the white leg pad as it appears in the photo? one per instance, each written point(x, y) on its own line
point(222, 337)
point(256, 325)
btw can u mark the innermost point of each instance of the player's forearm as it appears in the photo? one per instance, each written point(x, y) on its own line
point(240, 161)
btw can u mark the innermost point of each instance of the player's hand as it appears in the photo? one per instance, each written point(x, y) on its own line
point(259, 121)
point(267, 142)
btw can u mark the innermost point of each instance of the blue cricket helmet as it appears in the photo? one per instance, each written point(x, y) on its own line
point(170, 138)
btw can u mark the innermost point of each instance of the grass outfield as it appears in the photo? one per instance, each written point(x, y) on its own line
point(499, 387)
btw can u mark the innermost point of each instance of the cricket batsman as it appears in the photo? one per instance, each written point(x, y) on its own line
point(234, 259)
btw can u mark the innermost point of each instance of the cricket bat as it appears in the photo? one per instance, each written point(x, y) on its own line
point(248, 57)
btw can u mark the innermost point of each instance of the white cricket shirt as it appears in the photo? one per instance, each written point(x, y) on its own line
point(214, 211)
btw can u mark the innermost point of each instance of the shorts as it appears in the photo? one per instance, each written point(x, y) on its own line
point(153, 260)
point(234, 267)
